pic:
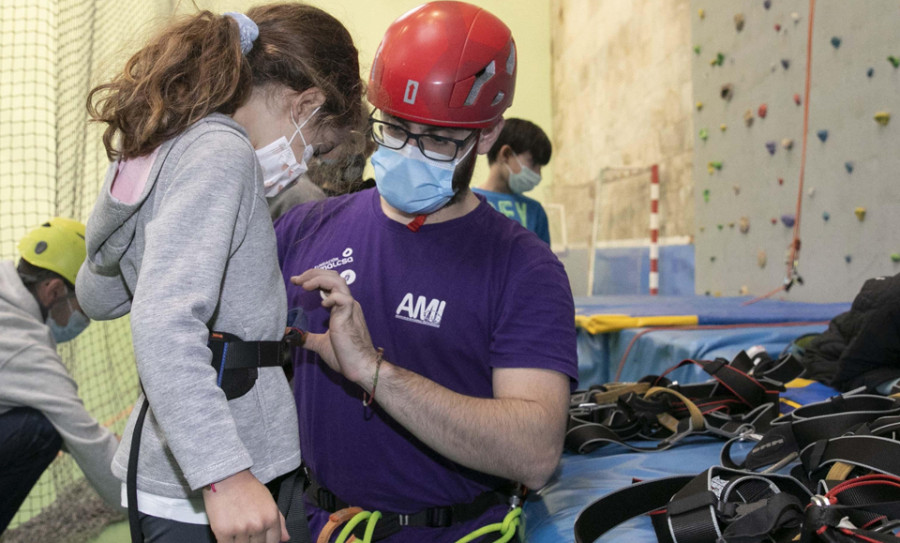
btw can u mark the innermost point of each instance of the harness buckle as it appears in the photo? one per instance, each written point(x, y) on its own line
point(820, 501)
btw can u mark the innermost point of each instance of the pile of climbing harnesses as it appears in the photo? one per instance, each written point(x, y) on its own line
point(828, 471)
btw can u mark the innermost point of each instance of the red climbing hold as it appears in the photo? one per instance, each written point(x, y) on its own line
point(780, 181)
point(777, 27)
point(797, 99)
point(763, 109)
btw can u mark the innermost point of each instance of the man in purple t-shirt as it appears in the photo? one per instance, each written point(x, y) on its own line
point(456, 381)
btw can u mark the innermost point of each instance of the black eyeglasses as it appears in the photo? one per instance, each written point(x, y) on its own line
point(438, 148)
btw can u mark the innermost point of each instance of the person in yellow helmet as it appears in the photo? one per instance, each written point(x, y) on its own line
point(40, 411)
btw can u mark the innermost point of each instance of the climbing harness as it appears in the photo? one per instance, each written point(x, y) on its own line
point(844, 485)
point(379, 525)
point(743, 395)
point(237, 366)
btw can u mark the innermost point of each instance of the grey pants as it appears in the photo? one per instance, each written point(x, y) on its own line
point(161, 530)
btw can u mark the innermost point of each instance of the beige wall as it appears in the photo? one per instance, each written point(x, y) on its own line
point(621, 79)
point(528, 19)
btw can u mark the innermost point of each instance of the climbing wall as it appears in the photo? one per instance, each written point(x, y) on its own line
point(750, 70)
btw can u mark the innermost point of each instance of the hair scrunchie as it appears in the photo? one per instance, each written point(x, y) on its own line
point(247, 28)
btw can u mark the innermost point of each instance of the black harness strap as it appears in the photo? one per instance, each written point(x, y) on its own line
point(134, 521)
point(613, 509)
point(391, 523)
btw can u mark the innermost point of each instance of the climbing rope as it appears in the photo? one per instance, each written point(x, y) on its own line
point(792, 274)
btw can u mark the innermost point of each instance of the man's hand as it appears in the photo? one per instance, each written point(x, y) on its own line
point(241, 510)
point(346, 347)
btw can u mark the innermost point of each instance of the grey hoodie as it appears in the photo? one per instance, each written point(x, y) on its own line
point(32, 375)
point(195, 253)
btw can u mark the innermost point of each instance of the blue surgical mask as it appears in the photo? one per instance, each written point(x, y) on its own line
point(76, 325)
point(523, 181)
point(411, 182)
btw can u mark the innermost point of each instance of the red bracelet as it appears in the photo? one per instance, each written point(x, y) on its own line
point(367, 400)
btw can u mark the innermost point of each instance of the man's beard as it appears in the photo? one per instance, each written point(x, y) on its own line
point(462, 177)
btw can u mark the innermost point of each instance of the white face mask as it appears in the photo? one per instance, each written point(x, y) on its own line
point(523, 181)
point(279, 165)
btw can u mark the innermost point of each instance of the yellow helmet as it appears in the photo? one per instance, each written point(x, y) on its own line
point(57, 245)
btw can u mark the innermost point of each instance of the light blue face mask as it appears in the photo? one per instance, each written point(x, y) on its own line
point(76, 325)
point(411, 182)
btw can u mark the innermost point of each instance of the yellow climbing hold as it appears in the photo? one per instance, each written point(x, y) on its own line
point(701, 13)
point(723, 127)
point(883, 118)
point(699, 106)
point(860, 213)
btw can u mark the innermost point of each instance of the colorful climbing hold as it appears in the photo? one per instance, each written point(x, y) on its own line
point(767, 4)
point(883, 118)
point(848, 258)
point(785, 63)
point(696, 49)
point(744, 225)
point(811, 192)
point(712, 259)
point(745, 290)
point(748, 117)
point(761, 258)
point(718, 61)
point(701, 13)
point(699, 106)
point(723, 127)
point(721, 226)
point(860, 213)
point(777, 27)
point(895, 61)
point(825, 216)
point(870, 72)
point(774, 220)
point(770, 146)
point(895, 257)
point(797, 99)
point(835, 42)
point(706, 196)
point(849, 166)
point(788, 220)
point(713, 166)
point(703, 134)
point(736, 189)
point(823, 135)
point(795, 17)
point(763, 109)
point(739, 21)
point(787, 143)
point(731, 225)
point(781, 181)
point(727, 91)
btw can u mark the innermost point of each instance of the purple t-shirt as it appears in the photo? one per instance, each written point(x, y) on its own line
point(449, 302)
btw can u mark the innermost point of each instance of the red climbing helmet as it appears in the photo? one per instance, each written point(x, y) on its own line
point(447, 64)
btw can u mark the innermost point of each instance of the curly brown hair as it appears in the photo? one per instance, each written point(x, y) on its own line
point(195, 67)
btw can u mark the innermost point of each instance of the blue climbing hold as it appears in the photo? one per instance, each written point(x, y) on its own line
point(770, 146)
point(870, 72)
point(785, 63)
point(849, 166)
point(836, 42)
point(825, 216)
point(767, 4)
point(848, 258)
point(823, 135)
point(788, 220)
